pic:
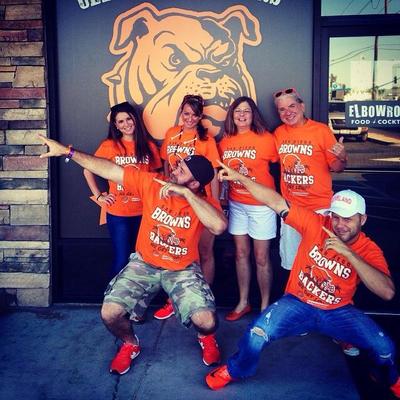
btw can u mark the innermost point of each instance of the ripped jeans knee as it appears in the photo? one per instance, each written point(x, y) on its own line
point(256, 331)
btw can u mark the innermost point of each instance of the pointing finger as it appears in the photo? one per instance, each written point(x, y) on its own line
point(341, 139)
point(160, 181)
point(330, 233)
point(221, 164)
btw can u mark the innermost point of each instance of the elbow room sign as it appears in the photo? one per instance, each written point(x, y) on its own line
point(377, 114)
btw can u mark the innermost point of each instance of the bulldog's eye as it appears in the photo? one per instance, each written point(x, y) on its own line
point(175, 60)
point(224, 63)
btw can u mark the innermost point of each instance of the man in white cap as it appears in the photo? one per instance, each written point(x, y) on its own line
point(333, 257)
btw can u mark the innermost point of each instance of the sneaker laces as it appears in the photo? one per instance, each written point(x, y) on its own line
point(208, 340)
point(167, 305)
point(128, 350)
point(223, 373)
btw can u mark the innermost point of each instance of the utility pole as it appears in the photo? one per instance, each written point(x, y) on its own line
point(373, 90)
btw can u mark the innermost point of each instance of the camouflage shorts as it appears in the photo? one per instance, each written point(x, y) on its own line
point(136, 285)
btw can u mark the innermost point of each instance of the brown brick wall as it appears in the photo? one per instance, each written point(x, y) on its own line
point(24, 186)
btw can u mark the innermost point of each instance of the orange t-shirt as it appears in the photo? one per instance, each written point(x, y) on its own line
point(326, 279)
point(170, 230)
point(127, 203)
point(177, 145)
point(304, 157)
point(249, 154)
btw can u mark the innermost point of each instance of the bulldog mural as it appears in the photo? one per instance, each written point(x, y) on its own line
point(166, 54)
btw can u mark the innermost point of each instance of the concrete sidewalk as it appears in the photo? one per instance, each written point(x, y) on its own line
point(63, 353)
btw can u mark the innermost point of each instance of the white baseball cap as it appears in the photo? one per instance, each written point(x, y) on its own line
point(347, 203)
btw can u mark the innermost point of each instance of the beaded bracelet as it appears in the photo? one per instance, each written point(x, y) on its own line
point(70, 153)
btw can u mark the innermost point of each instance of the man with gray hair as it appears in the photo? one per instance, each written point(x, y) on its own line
point(308, 152)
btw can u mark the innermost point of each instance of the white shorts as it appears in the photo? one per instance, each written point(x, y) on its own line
point(289, 243)
point(259, 222)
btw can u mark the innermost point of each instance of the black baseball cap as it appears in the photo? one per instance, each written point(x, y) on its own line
point(201, 169)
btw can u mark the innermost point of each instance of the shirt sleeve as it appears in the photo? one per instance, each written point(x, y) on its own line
point(103, 150)
point(302, 219)
point(270, 148)
point(165, 143)
point(156, 162)
point(212, 153)
point(136, 180)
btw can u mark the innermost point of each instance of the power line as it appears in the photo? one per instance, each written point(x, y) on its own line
point(351, 52)
point(377, 4)
point(359, 51)
point(348, 5)
point(365, 6)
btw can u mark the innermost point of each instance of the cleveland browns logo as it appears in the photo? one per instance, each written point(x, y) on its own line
point(173, 52)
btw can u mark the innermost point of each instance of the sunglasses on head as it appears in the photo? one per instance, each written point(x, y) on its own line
point(285, 91)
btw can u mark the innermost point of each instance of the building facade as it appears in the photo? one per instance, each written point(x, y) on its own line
point(64, 63)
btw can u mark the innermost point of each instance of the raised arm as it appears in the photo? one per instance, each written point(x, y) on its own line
point(339, 151)
point(166, 168)
point(99, 166)
point(264, 194)
point(212, 218)
point(376, 281)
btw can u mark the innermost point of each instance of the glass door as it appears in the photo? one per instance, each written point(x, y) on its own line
point(364, 70)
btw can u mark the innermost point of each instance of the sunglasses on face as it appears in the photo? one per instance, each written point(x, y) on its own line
point(285, 91)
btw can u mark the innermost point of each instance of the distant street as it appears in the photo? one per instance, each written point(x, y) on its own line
point(379, 151)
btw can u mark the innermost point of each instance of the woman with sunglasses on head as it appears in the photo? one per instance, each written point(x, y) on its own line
point(308, 152)
point(249, 148)
point(127, 143)
point(189, 138)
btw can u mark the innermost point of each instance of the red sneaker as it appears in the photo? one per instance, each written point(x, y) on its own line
point(395, 388)
point(218, 378)
point(211, 354)
point(348, 348)
point(122, 361)
point(165, 311)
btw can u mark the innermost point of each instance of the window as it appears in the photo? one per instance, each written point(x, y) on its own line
point(364, 68)
point(359, 7)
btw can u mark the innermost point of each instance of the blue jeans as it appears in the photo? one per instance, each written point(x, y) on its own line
point(123, 232)
point(289, 317)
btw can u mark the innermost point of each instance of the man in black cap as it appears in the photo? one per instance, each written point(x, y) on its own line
point(174, 214)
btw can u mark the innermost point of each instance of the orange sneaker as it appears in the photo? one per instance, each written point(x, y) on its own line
point(211, 354)
point(165, 311)
point(218, 378)
point(122, 361)
point(395, 388)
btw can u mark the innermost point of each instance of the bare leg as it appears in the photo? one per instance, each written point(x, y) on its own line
point(204, 322)
point(243, 269)
point(264, 270)
point(114, 318)
point(206, 252)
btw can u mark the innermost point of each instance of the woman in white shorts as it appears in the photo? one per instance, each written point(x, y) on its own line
point(249, 148)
